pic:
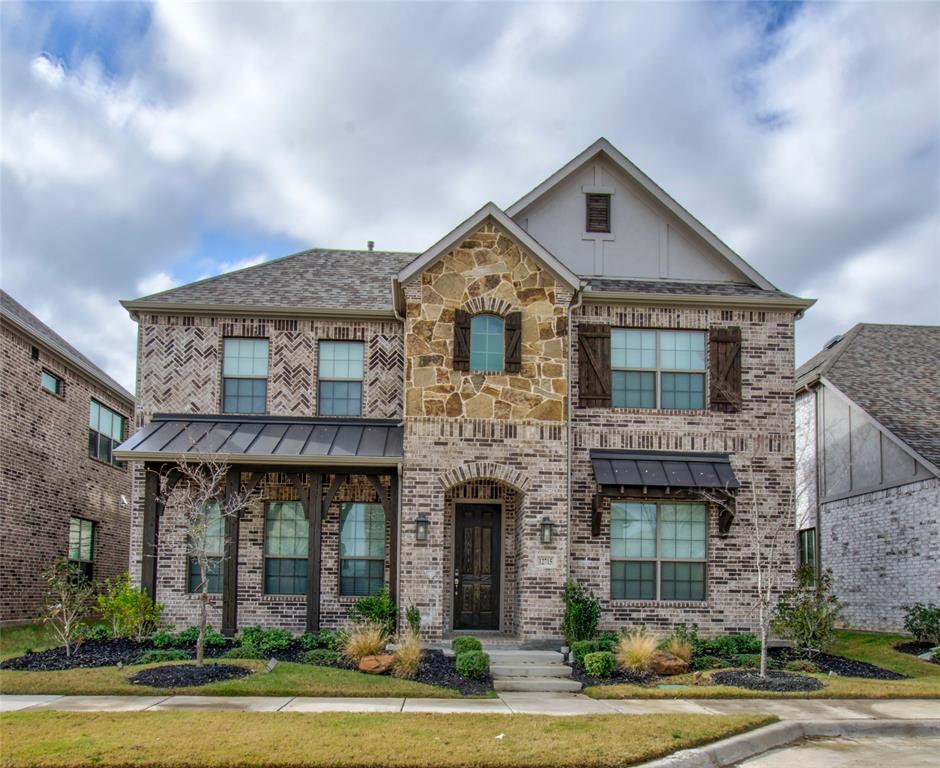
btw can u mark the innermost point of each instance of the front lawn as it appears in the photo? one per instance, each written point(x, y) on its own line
point(872, 647)
point(15, 641)
point(177, 739)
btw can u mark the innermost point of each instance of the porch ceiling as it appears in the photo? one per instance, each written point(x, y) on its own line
point(663, 469)
point(267, 440)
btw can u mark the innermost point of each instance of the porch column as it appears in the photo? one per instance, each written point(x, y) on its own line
point(314, 518)
point(148, 555)
point(230, 561)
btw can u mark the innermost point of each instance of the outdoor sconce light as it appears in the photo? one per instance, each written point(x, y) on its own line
point(547, 529)
point(421, 528)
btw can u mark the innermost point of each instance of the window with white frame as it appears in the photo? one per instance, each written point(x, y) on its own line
point(657, 369)
point(340, 374)
point(285, 548)
point(244, 375)
point(657, 550)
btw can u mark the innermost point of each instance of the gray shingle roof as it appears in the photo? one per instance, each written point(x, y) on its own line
point(681, 288)
point(314, 279)
point(14, 312)
point(893, 373)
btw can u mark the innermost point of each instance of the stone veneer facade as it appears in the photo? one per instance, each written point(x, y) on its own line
point(47, 476)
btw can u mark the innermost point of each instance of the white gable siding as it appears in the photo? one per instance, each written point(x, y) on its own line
point(646, 240)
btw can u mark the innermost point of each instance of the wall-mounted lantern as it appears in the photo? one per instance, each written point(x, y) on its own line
point(421, 528)
point(547, 530)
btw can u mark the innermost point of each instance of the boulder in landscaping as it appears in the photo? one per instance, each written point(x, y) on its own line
point(376, 665)
point(665, 664)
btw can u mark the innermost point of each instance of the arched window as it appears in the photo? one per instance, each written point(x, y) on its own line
point(487, 343)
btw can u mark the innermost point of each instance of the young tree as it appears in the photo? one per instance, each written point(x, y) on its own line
point(66, 600)
point(198, 494)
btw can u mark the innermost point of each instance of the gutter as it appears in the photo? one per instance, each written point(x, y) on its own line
point(747, 302)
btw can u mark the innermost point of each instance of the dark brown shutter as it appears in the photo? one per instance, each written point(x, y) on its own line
point(724, 351)
point(598, 213)
point(513, 342)
point(593, 365)
point(461, 340)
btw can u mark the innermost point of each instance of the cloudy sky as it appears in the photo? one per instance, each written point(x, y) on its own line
point(148, 145)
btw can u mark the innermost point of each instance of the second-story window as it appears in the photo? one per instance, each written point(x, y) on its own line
point(657, 369)
point(487, 343)
point(245, 376)
point(50, 383)
point(105, 432)
point(340, 373)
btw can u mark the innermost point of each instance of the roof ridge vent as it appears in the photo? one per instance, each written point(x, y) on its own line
point(833, 341)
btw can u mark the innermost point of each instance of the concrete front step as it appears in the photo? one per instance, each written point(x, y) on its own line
point(537, 684)
point(500, 657)
point(529, 670)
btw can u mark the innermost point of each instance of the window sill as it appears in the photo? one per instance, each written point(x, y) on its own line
point(659, 604)
point(265, 598)
point(108, 463)
point(213, 596)
point(56, 395)
point(652, 411)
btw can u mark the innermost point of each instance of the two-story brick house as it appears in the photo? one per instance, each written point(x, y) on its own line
point(62, 491)
point(537, 396)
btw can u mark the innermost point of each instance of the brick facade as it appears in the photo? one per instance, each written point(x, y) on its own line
point(47, 476)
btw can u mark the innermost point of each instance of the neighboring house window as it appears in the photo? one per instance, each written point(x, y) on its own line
point(808, 547)
point(657, 369)
point(597, 212)
point(285, 548)
point(340, 372)
point(82, 546)
point(50, 383)
point(215, 549)
point(487, 343)
point(245, 376)
point(657, 551)
point(362, 549)
point(105, 431)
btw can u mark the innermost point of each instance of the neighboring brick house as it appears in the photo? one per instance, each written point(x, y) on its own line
point(535, 397)
point(868, 469)
point(62, 494)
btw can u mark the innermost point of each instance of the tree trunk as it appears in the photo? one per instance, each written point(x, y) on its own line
point(764, 632)
point(203, 611)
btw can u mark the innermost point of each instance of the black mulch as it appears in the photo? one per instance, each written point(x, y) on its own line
point(914, 648)
point(437, 669)
point(838, 664)
point(775, 681)
point(187, 675)
point(619, 676)
point(93, 653)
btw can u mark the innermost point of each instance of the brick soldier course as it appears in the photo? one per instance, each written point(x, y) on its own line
point(47, 476)
point(485, 474)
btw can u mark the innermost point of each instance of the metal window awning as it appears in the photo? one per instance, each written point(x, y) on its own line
point(267, 440)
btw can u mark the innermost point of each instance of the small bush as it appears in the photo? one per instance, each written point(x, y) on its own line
point(413, 619)
point(189, 636)
point(801, 665)
point(582, 613)
point(634, 650)
point(86, 632)
point(746, 660)
point(324, 639)
point(376, 609)
point(936, 656)
point(465, 643)
point(408, 655)
point(244, 652)
point(163, 638)
point(130, 611)
point(65, 601)
point(678, 647)
point(364, 640)
point(473, 664)
point(600, 664)
point(166, 654)
point(321, 656)
point(807, 612)
point(269, 642)
point(923, 622)
point(707, 662)
point(582, 648)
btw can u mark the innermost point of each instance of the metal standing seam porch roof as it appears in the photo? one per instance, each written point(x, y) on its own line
point(267, 440)
point(663, 469)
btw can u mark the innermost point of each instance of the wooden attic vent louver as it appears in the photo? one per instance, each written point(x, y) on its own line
point(598, 212)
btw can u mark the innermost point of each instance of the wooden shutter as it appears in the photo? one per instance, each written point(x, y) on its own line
point(724, 352)
point(593, 365)
point(461, 340)
point(513, 338)
point(598, 213)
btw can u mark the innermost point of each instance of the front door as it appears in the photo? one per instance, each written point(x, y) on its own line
point(476, 566)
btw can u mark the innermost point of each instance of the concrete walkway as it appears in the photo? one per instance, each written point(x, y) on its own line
point(507, 703)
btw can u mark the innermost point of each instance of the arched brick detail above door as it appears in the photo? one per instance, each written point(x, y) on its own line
point(486, 470)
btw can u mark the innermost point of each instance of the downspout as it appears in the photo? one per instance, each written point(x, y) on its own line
point(579, 300)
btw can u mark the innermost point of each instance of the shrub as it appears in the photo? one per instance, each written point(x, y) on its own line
point(473, 664)
point(801, 665)
point(166, 654)
point(582, 648)
point(85, 632)
point(678, 647)
point(321, 656)
point(163, 638)
point(465, 643)
point(634, 650)
point(923, 622)
point(364, 640)
point(268, 641)
point(582, 613)
point(807, 612)
point(324, 639)
point(600, 664)
point(936, 656)
point(746, 660)
point(707, 662)
point(408, 655)
point(376, 609)
point(65, 601)
point(130, 611)
point(413, 619)
point(189, 636)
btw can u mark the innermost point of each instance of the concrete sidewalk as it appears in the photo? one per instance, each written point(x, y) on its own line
point(803, 710)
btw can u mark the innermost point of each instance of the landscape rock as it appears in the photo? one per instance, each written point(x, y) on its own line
point(665, 664)
point(376, 665)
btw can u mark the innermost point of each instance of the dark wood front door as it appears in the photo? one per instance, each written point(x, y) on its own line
point(476, 566)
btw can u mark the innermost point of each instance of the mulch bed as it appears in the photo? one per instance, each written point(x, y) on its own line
point(93, 653)
point(775, 681)
point(838, 665)
point(618, 677)
point(437, 669)
point(187, 675)
point(914, 648)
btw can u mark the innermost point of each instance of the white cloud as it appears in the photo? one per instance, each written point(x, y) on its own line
point(156, 283)
point(231, 266)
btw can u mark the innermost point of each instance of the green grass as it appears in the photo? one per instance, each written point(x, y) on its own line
point(205, 739)
point(873, 647)
point(15, 641)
